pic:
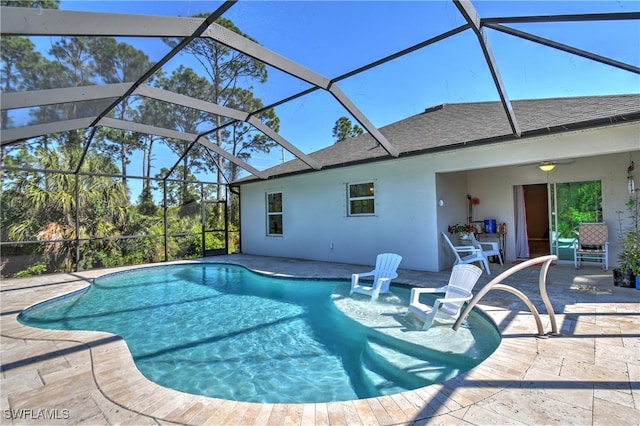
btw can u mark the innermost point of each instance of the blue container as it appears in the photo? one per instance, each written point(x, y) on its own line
point(490, 226)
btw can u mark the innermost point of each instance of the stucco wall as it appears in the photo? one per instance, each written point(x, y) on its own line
point(452, 209)
point(316, 225)
point(408, 216)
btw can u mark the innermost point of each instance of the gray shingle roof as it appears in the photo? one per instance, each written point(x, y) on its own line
point(453, 126)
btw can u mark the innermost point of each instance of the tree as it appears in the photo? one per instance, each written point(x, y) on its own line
point(49, 208)
point(227, 70)
point(43, 4)
point(17, 54)
point(21, 68)
point(119, 63)
point(344, 129)
point(187, 120)
point(40, 200)
point(243, 139)
point(153, 113)
point(75, 55)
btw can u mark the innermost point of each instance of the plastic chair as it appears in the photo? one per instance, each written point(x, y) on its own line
point(475, 254)
point(489, 248)
point(592, 245)
point(462, 280)
point(385, 271)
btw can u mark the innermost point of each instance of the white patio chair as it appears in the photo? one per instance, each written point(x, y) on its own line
point(489, 248)
point(592, 245)
point(462, 280)
point(385, 271)
point(475, 254)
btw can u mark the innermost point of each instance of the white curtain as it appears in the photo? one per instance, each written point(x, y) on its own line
point(522, 243)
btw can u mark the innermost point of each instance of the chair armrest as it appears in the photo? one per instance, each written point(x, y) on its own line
point(464, 247)
point(454, 299)
point(444, 300)
point(381, 280)
point(417, 291)
point(471, 249)
point(363, 274)
point(356, 277)
point(494, 246)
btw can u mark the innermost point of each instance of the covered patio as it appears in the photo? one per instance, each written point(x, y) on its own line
point(589, 374)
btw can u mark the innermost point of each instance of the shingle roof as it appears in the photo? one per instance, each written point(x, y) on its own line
point(453, 126)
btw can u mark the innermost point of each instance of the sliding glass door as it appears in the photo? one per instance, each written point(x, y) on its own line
point(570, 204)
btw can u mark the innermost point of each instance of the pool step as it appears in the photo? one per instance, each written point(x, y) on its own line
point(390, 367)
point(379, 382)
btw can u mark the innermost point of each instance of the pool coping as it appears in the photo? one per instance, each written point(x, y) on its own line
point(117, 378)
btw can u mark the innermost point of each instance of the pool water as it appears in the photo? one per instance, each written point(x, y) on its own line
point(224, 331)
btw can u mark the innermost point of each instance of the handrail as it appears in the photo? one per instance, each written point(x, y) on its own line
point(497, 284)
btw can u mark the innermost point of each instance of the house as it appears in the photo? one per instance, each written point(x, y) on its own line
point(364, 201)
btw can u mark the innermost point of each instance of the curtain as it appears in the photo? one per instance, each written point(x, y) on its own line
point(522, 243)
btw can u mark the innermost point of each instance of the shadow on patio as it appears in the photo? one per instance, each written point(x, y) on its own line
point(589, 374)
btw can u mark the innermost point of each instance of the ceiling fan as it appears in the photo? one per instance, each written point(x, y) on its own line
point(548, 165)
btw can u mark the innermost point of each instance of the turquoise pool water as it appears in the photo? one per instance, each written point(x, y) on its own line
point(223, 331)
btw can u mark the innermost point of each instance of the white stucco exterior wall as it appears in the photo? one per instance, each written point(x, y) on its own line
point(315, 221)
point(408, 217)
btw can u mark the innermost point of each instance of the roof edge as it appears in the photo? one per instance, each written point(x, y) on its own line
point(581, 125)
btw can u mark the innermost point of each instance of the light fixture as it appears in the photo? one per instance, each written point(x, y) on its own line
point(547, 167)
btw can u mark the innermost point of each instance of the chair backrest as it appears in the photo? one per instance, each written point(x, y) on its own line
point(474, 240)
point(453, 248)
point(387, 264)
point(461, 282)
point(593, 234)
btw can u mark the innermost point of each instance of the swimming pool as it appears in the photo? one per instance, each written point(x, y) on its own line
point(223, 331)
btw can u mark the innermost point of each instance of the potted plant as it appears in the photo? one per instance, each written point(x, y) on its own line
point(461, 231)
point(628, 271)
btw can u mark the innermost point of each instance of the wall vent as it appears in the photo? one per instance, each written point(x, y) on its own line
point(434, 108)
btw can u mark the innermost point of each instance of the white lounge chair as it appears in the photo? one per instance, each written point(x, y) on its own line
point(386, 266)
point(475, 254)
point(458, 291)
point(489, 248)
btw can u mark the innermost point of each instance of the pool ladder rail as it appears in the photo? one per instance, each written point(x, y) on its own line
point(496, 284)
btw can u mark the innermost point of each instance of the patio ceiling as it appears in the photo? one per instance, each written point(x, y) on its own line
point(53, 23)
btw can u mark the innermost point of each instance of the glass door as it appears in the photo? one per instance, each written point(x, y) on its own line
point(571, 203)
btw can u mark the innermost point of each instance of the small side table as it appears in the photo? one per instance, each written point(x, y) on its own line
point(500, 237)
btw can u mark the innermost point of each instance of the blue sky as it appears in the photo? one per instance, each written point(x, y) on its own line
point(332, 38)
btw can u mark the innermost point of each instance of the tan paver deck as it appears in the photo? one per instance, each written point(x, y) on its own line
point(590, 374)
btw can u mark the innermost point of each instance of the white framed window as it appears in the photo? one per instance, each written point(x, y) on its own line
point(361, 199)
point(274, 213)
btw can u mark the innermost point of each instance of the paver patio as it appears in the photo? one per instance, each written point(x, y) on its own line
point(589, 374)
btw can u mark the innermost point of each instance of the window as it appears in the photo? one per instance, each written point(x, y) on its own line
point(361, 199)
point(274, 213)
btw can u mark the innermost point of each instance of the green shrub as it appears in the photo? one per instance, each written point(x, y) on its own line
point(35, 269)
